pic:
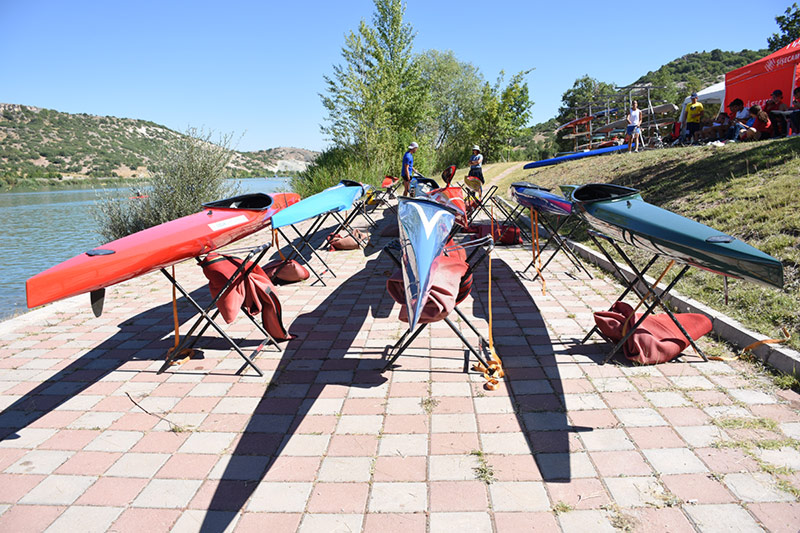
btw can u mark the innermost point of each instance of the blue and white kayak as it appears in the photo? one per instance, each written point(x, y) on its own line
point(424, 226)
point(540, 199)
point(576, 155)
point(333, 199)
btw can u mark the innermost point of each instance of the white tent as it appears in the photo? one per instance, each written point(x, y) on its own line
point(714, 94)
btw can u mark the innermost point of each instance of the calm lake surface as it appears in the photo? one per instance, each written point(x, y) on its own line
point(42, 229)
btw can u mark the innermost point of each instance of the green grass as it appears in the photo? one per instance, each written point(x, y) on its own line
point(748, 190)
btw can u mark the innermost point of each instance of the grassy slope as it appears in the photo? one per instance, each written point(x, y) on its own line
point(750, 191)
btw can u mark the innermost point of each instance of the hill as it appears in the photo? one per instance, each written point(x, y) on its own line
point(748, 190)
point(704, 68)
point(44, 144)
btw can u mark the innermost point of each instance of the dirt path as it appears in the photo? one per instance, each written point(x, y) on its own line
point(495, 180)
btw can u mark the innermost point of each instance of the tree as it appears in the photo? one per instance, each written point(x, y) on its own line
point(585, 90)
point(789, 24)
point(504, 112)
point(374, 99)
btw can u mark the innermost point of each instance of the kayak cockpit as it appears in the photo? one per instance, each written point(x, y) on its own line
point(599, 192)
point(253, 201)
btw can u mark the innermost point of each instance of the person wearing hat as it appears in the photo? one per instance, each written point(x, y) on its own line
point(694, 114)
point(778, 120)
point(475, 175)
point(408, 167)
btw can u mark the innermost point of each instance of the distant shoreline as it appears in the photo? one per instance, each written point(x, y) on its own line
point(80, 182)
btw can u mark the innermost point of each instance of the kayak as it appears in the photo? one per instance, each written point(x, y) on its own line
point(340, 197)
point(220, 223)
point(575, 155)
point(540, 199)
point(424, 226)
point(620, 213)
point(452, 197)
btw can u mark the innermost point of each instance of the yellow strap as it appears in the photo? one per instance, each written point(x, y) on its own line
point(535, 249)
point(750, 347)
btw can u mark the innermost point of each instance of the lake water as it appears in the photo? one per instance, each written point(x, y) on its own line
point(42, 229)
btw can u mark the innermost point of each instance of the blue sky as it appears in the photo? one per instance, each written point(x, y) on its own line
point(255, 68)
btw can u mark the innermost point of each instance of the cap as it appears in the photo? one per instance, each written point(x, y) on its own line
point(777, 92)
point(694, 95)
point(412, 146)
point(476, 147)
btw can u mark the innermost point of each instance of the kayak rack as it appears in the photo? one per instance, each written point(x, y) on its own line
point(305, 239)
point(486, 244)
point(553, 229)
point(207, 317)
point(643, 289)
point(512, 215)
point(480, 203)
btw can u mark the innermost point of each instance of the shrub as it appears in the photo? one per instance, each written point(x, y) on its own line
point(182, 180)
point(332, 166)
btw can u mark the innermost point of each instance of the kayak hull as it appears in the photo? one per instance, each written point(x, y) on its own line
point(573, 156)
point(620, 213)
point(424, 227)
point(540, 199)
point(333, 199)
point(219, 224)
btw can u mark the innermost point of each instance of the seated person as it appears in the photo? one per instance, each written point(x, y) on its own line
point(717, 129)
point(775, 103)
point(794, 118)
point(739, 118)
point(761, 128)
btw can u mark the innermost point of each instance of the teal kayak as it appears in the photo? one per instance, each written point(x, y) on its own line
point(340, 197)
point(620, 213)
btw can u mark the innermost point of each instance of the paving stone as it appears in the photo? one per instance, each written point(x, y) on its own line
point(666, 399)
point(639, 417)
point(756, 487)
point(702, 436)
point(475, 522)
point(452, 467)
point(138, 465)
point(284, 497)
point(635, 491)
point(403, 445)
point(39, 462)
point(777, 517)
point(343, 469)
point(455, 423)
point(557, 466)
point(606, 439)
point(783, 457)
point(85, 519)
point(521, 496)
point(398, 497)
point(167, 493)
point(674, 461)
point(722, 517)
point(583, 521)
point(752, 397)
point(58, 490)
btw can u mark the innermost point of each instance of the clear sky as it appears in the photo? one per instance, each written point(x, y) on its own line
point(255, 68)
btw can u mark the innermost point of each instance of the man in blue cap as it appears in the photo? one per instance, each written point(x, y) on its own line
point(408, 167)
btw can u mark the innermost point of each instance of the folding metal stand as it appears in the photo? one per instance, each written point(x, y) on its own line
point(648, 293)
point(305, 239)
point(480, 203)
point(381, 197)
point(206, 319)
point(346, 223)
point(561, 241)
point(408, 337)
point(512, 216)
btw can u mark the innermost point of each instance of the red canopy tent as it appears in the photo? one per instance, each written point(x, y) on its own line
point(755, 82)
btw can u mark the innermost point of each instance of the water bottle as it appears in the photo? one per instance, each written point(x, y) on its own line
point(412, 189)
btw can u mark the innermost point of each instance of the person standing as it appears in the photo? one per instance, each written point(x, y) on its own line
point(475, 175)
point(634, 129)
point(408, 167)
point(694, 114)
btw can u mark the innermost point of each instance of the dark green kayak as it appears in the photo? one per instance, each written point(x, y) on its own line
point(620, 213)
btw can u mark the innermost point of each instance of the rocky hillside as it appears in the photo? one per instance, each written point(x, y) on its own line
point(42, 144)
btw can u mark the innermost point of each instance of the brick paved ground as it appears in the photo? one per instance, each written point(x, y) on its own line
point(325, 442)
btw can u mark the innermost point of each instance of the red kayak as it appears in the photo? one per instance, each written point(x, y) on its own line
point(220, 223)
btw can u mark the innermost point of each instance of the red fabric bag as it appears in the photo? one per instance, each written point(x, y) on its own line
point(255, 295)
point(338, 242)
point(282, 271)
point(658, 339)
point(448, 271)
point(503, 234)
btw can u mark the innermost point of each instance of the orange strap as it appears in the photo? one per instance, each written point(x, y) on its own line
point(535, 249)
point(495, 372)
point(275, 243)
point(186, 352)
point(750, 347)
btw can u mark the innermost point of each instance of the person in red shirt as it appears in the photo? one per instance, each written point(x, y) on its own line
point(761, 128)
point(775, 103)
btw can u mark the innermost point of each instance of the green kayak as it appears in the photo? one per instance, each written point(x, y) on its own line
point(620, 213)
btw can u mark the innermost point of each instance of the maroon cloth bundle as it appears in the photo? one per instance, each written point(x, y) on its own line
point(449, 287)
point(255, 295)
point(503, 234)
point(657, 339)
point(282, 271)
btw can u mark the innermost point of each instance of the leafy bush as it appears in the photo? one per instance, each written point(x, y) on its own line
point(185, 178)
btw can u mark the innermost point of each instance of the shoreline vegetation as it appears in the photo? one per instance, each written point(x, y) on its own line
point(88, 182)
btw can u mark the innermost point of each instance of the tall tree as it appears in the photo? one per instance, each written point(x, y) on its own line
point(374, 99)
point(585, 90)
point(789, 24)
point(504, 112)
